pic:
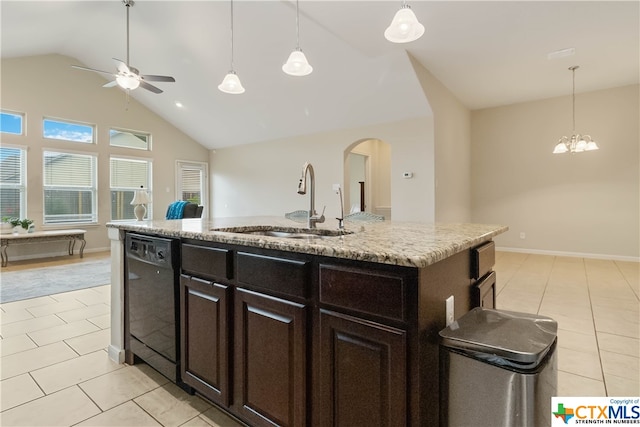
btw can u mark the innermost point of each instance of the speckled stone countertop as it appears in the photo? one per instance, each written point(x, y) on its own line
point(388, 242)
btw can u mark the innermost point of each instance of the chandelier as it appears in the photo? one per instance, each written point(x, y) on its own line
point(575, 143)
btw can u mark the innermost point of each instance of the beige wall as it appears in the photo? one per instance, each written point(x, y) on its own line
point(261, 179)
point(577, 204)
point(48, 86)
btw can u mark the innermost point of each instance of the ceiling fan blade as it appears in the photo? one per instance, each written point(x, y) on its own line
point(110, 84)
point(121, 66)
point(150, 87)
point(92, 69)
point(153, 78)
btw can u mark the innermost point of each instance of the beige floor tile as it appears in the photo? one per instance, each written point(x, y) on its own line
point(552, 306)
point(18, 390)
point(62, 332)
point(196, 422)
point(117, 387)
point(30, 325)
point(104, 290)
point(95, 297)
point(54, 308)
point(579, 363)
point(74, 371)
point(616, 303)
point(30, 360)
point(619, 344)
point(102, 322)
point(620, 365)
point(577, 341)
point(20, 305)
point(619, 386)
point(127, 414)
point(583, 326)
point(613, 325)
point(82, 295)
point(64, 408)
point(171, 406)
point(84, 313)
point(217, 418)
point(90, 342)
point(16, 344)
point(14, 316)
point(576, 385)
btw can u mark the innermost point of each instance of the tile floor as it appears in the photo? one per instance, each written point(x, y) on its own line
point(54, 369)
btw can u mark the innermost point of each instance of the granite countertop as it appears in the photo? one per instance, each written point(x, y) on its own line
point(408, 244)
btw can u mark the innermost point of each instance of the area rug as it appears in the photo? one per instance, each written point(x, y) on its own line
point(37, 282)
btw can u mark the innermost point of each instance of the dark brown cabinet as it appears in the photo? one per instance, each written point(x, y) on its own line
point(270, 384)
point(363, 377)
point(205, 337)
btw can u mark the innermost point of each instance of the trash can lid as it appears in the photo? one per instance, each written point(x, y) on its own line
point(519, 337)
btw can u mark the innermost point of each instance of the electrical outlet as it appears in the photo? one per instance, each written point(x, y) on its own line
point(522, 235)
point(449, 310)
point(336, 187)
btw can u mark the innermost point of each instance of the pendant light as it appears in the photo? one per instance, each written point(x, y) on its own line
point(297, 64)
point(576, 143)
point(231, 83)
point(404, 27)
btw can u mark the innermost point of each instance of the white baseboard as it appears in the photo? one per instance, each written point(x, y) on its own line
point(55, 254)
point(571, 254)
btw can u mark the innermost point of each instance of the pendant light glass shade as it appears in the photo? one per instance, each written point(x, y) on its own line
point(231, 84)
point(404, 27)
point(575, 143)
point(297, 64)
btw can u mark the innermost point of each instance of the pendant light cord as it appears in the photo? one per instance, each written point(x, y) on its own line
point(297, 26)
point(573, 96)
point(128, 5)
point(232, 68)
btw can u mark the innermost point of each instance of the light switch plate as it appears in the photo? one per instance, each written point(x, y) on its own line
point(449, 310)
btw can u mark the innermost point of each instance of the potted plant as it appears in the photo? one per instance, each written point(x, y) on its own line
point(6, 225)
point(21, 224)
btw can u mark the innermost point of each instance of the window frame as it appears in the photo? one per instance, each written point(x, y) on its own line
point(133, 132)
point(22, 186)
point(93, 127)
point(93, 220)
point(148, 189)
point(204, 167)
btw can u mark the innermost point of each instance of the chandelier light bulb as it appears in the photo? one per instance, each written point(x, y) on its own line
point(231, 84)
point(404, 27)
point(297, 64)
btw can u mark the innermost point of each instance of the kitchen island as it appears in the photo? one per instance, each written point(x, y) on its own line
point(339, 329)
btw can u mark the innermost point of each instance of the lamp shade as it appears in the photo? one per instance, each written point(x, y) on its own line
point(141, 197)
point(404, 27)
point(127, 82)
point(297, 64)
point(231, 84)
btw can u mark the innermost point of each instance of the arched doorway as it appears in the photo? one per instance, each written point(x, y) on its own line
point(367, 177)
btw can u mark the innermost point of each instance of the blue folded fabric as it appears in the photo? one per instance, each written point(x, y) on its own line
point(176, 210)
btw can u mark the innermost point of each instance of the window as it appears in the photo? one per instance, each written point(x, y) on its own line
point(191, 182)
point(69, 188)
point(13, 192)
point(68, 131)
point(11, 123)
point(127, 175)
point(129, 139)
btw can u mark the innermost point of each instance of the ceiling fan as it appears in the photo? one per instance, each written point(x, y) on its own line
point(128, 77)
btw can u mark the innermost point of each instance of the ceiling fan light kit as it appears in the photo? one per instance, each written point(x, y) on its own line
point(404, 27)
point(576, 143)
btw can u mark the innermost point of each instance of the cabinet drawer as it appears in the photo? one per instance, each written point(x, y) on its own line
point(483, 293)
point(483, 258)
point(285, 276)
point(375, 293)
point(207, 262)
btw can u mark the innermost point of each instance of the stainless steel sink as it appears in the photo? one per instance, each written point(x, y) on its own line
point(287, 233)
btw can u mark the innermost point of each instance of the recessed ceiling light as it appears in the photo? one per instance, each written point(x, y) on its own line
point(179, 104)
point(570, 51)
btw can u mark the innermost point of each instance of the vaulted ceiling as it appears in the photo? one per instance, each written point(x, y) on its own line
point(487, 53)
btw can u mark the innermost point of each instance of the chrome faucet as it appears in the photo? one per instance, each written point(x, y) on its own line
point(302, 189)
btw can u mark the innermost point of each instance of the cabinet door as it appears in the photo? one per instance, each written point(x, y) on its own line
point(484, 292)
point(362, 373)
point(270, 360)
point(205, 337)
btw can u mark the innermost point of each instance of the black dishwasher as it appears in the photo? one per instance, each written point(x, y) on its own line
point(151, 292)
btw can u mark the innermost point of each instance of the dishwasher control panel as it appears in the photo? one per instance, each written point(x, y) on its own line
point(153, 250)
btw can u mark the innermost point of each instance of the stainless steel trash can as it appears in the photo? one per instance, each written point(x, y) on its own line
point(498, 368)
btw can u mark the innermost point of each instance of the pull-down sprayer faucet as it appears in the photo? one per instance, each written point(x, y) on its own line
point(302, 189)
